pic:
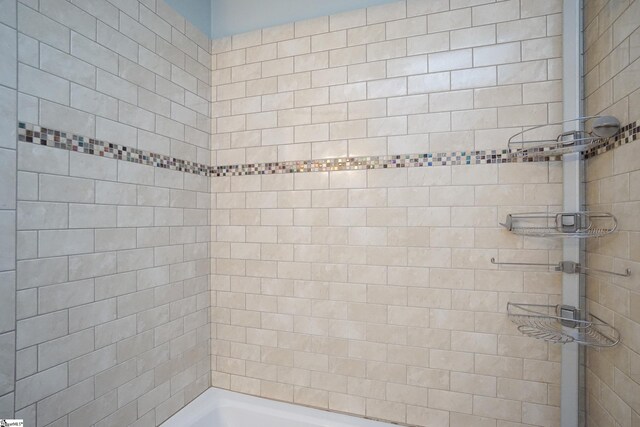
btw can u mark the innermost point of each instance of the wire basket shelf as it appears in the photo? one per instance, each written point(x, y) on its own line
point(547, 322)
point(563, 224)
point(532, 142)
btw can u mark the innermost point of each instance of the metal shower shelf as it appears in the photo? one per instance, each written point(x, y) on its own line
point(569, 267)
point(603, 127)
point(561, 324)
point(563, 224)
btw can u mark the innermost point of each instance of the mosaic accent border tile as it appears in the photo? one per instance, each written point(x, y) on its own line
point(627, 134)
point(376, 162)
point(69, 141)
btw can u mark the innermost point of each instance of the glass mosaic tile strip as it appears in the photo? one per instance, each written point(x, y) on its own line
point(627, 134)
point(69, 141)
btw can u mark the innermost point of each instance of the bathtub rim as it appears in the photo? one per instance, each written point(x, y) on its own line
point(221, 394)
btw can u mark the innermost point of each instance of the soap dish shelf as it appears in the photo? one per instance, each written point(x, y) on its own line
point(525, 144)
point(561, 324)
point(581, 224)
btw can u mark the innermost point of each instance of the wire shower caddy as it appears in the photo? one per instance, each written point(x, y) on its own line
point(525, 144)
point(559, 324)
point(583, 224)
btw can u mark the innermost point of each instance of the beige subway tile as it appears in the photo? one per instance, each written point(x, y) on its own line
point(277, 67)
point(241, 41)
point(311, 133)
point(310, 97)
point(387, 126)
point(349, 19)
point(312, 61)
point(533, 8)
point(510, 410)
point(367, 109)
point(241, 106)
point(262, 86)
point(368, 147)
point(428, 43)
point(450, 401)
point(496, 54)
point(329, 41)
point(293, 82)
point(507, 367)
point(294, 47)
point(472, 37)
point(525, 115)
point(387, 88)
point(407, 66)
point(471, 383)
point(293, 117)
point(498, 12)
point(312, 26)
point(329, 77)
point(533, 413)
point(525, 391)
point(278, 33)
point(417, 143)
point(386, 12)
point(550, 91)
point(451, 319)
point(329, 113)
point(426, 7)
point(498, 96)
point(348, 92)
point(452, 20)
point(348, 56)
point(246, 72)
point(523, 72)
point(261, 53)
point(522, 29)
point(433, 82)
point(386, 50)
point(549, 47)
point(365, 72)
point(406, 27)
point(328, 150)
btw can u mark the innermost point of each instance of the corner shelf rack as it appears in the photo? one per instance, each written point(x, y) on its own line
point(561, 324)
point(525, 144)
point(563, 224)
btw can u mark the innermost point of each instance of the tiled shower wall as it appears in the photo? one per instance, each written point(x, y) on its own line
point(612, 86)
point(113, 261)
point(8, 145)
point(371, 291)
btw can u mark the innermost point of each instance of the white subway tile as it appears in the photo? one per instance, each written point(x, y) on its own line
point(386, 12)
point(429, 43)
point(70, 16)
point(364, 72)
point(446, 21)
point(406, 27)
point(42, 28)
point(472, 37)
point(386, 50)
point(496, 12)
point(426, 7)
point(366, 35)
point(451, 60)
point(498, 54)
point(349, 19)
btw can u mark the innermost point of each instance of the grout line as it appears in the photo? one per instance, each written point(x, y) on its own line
point(15, 273)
